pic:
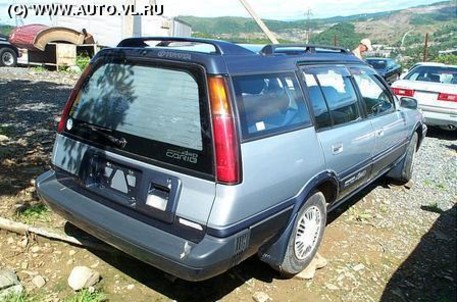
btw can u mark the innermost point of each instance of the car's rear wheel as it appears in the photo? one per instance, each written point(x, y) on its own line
point(306, 236)
point(7, 57)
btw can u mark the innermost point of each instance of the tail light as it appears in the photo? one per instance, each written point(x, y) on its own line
point(447, 97)
point(225, 136)
point(403, 92)
point(72, 98)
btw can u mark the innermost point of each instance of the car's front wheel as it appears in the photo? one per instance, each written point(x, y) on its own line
point(408, 162)
point(306, 236)
point(7, 57)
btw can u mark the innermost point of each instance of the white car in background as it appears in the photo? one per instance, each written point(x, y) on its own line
point(434, 86)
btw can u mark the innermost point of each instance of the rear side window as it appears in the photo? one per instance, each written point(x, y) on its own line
point(269, 103)
point(160, 111)
point(332, 95)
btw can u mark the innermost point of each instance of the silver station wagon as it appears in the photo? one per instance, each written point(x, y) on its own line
point(193, 155)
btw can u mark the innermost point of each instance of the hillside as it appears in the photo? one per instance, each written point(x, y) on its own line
point(387, 28)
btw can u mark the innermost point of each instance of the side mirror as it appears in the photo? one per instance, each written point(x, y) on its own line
point(409, 103)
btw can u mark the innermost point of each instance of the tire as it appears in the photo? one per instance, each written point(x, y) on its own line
point(8, 57)
point(306, 235)
point(408, 162)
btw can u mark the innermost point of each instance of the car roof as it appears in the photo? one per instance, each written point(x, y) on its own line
point(222, 57)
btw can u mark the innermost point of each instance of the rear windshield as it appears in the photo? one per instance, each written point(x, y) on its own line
point(436, 74)
point(159, 111)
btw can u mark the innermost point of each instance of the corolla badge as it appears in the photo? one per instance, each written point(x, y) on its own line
point(183, 155)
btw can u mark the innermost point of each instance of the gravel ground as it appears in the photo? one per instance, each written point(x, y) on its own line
point(390, 243)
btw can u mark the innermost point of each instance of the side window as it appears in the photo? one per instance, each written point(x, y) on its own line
point(376, 97)
point(320, 109)
point(269, 103)
point(339, 102)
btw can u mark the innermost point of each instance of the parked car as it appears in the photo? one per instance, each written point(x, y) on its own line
point(388, 68)
point(8, 52)
point(193, 160)
point(435, 88)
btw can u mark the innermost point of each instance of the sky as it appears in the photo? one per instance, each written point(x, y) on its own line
point(266, 9)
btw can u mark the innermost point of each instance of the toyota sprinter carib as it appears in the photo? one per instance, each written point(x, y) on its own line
point(193, 155)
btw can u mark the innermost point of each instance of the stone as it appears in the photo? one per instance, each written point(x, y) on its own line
point(358, 267)
point(9, 284)
point(309, 272)
point(75, 69)
point(38, 281)
point(7, 279)
point(261, 297)
point(3, 138)
point(409, 185)
point(35, 249)
point(83, 277)
point(13, 290)
point(331, 286)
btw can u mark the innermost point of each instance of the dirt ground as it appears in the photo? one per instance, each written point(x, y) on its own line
point(389, 243)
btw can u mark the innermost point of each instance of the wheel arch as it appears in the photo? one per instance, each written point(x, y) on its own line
point(10, 47)
point(325, 182)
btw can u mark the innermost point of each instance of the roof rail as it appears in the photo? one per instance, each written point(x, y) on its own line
point(220, 47)
point(307, 48)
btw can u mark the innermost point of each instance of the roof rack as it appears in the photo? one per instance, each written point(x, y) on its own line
point(220, 47)
point(307, 48)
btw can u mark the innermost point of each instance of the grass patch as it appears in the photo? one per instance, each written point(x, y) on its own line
point(87, 296)
point(39, 69)
point(35, 212)
point(433, 207)
point(6, 129)
point(21, 297)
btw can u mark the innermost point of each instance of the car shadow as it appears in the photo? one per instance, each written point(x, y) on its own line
point(430, 271)
point(176, 289)
point(212, 289)
point(442, 134)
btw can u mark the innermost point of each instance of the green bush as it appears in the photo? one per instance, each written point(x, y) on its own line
point(82, 61)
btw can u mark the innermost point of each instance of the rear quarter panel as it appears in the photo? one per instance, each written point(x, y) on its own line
point(275, 170)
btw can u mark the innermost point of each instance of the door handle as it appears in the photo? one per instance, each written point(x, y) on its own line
point(337, 148)
point(379, 132)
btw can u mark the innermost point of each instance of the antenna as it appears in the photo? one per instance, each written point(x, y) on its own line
point(308, 25)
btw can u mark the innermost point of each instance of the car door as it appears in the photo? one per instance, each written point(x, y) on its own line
point(346, 139)
point(389, 124)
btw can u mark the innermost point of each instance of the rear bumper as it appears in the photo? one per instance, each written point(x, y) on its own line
point(442, 118)
point(170, 253)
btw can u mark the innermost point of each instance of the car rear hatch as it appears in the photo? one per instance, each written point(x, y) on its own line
point(436, 97)
point(136, 135)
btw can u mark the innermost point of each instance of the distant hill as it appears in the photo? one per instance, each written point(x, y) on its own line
point(388, 28)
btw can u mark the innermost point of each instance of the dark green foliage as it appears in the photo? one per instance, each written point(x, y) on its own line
point(345, 35)
point(5, 30)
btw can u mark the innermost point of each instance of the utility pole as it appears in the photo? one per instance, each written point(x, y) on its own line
point(259, 22)
point(426, 48)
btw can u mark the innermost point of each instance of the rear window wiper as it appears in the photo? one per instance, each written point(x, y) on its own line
point(119, 142)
